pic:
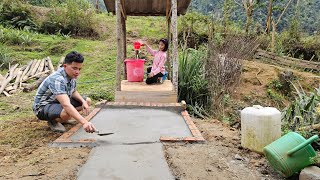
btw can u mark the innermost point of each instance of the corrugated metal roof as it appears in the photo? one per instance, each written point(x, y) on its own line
point(147, 7)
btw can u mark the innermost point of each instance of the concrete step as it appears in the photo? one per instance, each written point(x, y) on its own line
point(143, 96)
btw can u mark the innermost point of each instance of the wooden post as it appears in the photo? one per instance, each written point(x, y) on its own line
point(120, 41)
point(174, 46)
point(124, 30)
point(168, 63)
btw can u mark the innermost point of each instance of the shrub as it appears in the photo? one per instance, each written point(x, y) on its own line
point(75, 17)
point(16, 14)
point(224, 66)
point(16, 37)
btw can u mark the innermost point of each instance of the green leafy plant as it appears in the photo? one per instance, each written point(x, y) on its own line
point(74, 17)
point(16, 14)
point(192, 83)
point(302, 111)
point(5, 58)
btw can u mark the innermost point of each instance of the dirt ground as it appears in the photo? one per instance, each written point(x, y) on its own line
point(25, 154)
point(221, 157)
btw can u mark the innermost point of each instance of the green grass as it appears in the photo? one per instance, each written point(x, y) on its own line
point(97, 79)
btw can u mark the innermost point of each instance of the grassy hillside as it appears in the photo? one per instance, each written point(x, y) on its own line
point(97, 78)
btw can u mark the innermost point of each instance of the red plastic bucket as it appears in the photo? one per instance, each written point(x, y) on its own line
point(135, 69)
point(136, 45)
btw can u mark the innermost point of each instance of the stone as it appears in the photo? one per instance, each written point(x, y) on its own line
point(238, 157)
point(310, 173)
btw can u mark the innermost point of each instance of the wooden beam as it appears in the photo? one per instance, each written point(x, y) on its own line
point(175, 62)
point(119, 44)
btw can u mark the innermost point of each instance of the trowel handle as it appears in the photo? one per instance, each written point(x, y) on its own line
point(302, 145)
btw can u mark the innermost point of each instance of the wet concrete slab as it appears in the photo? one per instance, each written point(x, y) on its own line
point(132, 162)
point(135, 125)
point(134, 151)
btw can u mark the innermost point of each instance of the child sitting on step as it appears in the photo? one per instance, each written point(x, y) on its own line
point(157, 70)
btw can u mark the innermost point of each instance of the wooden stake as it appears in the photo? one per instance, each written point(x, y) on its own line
point(51, 68)
point(18, 79)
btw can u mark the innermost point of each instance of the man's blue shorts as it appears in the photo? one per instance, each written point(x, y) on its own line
point(52, 111)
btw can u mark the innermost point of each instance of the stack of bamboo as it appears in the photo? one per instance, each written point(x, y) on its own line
point(17, 76)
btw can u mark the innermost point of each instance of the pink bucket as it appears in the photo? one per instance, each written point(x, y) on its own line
point(135, 69)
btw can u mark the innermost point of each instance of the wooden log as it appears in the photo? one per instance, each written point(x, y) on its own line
point(306, 128)
point(288, 58)
point(35, 85)
point(23, 85)
point(35, 68)
point(25, 71)
point(34, 62)
point(285, 61)
point(51, 68)
point(41, 66)
point(1, 78)
point(60, 62)
point(18, 79)
point(46, 64)
point(7, 80)
point(36, 75)
point(8, 88)
point(13, 91)
point(6, 94)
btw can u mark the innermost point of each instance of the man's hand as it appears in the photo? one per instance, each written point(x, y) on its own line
point(150, 75)
point(89, 127)
point(85, 108)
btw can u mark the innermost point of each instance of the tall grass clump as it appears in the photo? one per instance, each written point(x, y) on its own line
point(192, 82)
point(75, 17)
point(5, 58)
point(303, 111)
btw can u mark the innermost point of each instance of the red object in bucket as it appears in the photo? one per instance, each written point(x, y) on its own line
point(136, 45)
point(135, 69)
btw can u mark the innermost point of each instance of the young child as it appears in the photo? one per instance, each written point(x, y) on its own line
point(157, 70)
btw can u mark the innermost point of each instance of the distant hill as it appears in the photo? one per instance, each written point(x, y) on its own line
point(309, 12)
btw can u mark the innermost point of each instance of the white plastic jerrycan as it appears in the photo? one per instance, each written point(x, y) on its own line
point(260, 126)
